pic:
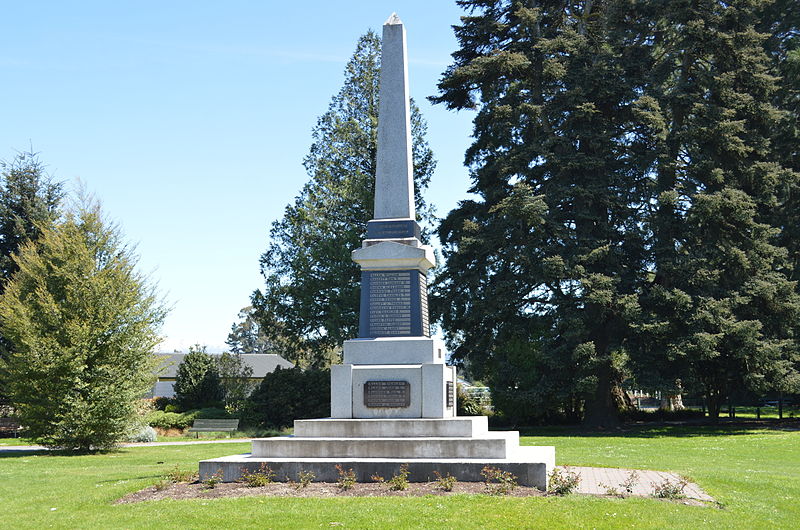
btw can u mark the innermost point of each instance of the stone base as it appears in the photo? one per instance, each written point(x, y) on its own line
point(460, 426)
point(461, 446)
point(531, 466)
point(428, 384)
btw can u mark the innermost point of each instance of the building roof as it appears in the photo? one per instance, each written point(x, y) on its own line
point(261, 363)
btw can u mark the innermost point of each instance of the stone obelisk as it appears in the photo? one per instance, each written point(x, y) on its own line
point(394, 369)
point(393, 398)
point(394, 177)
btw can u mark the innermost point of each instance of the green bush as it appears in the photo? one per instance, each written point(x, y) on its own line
point(143, 434)
point(197, 382)
point(289, 394)
point(468, 404)
point(212, 413)
point(170, 420)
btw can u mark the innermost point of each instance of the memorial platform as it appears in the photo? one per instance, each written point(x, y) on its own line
point(460, 446)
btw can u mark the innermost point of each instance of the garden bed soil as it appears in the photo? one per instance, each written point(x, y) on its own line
point(198, 490)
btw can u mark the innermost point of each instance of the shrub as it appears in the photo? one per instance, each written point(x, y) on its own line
point(497, 481)
point(399, 482)
point(212, 480)
point(197, 382)
point(289, 394)
point(563, 481)
point(630, 482)
point(143, 435)
point(170, 420)
point(304, 479)
point(346, 479)
point(164, 403)
point(468, 404)
point(256, 479)
point(444, 483)
point(178, 475)
point(669, 489)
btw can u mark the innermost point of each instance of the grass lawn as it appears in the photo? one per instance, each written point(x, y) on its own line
point(755, 474)
point(15, 441)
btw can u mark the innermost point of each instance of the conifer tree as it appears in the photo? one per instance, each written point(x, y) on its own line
point(29, 200)
point(543, 271)
point(82, 324)
point(726, 305)
point(309, 304)
point(197, 380)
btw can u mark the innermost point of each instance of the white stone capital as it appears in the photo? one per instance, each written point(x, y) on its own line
point(388, 255)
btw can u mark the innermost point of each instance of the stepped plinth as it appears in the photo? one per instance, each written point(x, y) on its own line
point(393, 399)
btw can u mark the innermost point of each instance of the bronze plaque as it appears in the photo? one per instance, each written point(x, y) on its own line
point(387, 394)
point(450, 396)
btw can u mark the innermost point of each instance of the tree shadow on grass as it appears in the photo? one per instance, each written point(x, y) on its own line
point(18, 453)
point(662, 430)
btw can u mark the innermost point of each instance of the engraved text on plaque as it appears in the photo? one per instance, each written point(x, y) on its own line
point(383, 394)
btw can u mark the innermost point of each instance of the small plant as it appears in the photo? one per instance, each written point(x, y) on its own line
point(377, 478)
point(399, 482)
point(162, 484)
point(669, 489)
point(444, 483)
point(177, 475)
point(563, 481)
point(611, 490)
point(212, 480)
point(497, 481)
point(347, 479)
point(630, 482)
point(259, 478)
point(304, 478)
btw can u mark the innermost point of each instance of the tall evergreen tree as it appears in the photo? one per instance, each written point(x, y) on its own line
point(246, 336)
point(725, 307)
point(83, 324)
point(309, 304)
point(29, 201)
point(542, 272)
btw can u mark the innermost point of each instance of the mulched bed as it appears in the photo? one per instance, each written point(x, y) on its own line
point(199, 490)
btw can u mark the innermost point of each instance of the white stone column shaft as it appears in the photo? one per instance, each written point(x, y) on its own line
point(394, 179)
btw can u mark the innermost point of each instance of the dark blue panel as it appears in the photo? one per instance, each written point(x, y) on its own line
point(398, 229)
point(393, 304)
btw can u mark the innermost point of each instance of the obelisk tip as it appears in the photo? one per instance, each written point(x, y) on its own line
point(393, 20)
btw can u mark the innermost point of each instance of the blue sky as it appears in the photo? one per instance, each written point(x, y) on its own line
point(189, 121)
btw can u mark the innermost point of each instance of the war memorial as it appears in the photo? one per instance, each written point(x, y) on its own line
point(393, 399)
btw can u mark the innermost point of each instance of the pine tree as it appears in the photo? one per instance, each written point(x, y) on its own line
point(82, 324)
point(720, 287)
point(29, 200)
point(309, 304)
point(246, 335)
point(542, 272)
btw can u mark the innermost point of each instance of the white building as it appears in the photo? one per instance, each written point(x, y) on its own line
point(261, 363)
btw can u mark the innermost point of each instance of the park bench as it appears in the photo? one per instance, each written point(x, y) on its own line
point(205, 425)
point(10, 425)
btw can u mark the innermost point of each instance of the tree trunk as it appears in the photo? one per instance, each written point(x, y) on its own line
point(602, 409)
point(714, 405)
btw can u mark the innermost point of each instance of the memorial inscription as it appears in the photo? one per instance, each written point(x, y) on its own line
point(450, 395)
point(390, 303)
point(387, 394)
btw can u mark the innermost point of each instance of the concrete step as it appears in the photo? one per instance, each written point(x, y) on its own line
point(492, 445)
point(531, 465)
point(462, 426)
